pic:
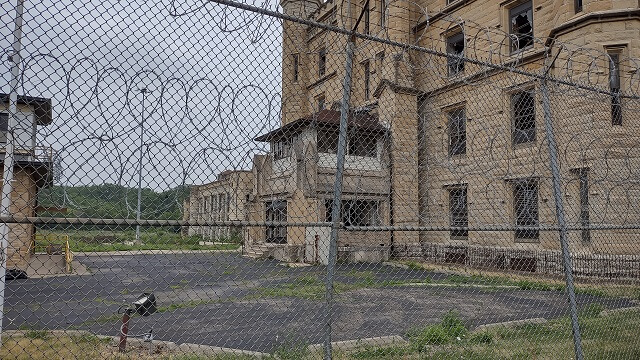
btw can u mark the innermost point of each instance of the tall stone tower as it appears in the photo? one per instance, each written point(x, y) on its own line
point(295, 60)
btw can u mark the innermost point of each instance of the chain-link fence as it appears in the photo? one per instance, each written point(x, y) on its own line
point(377, 179)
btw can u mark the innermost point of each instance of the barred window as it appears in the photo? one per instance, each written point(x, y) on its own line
point(276, 211)
point(457, 129)
point(455, 50)
point(525, 200)
point(524, 117)
point(614, 86)
point(458, 212)
point(521, 26)
point(584, 205)
point(355, 212)
point(322, 62)
point(281, 149)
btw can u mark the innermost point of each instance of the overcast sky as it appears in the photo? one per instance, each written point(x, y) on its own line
point(213, 73)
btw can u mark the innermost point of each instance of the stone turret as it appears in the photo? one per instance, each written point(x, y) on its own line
point(295, 62)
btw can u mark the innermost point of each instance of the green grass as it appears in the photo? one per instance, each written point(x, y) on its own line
point(613, 336)
point(152, 239)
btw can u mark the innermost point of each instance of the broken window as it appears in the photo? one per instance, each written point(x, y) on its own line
point(322, 62)
point(281, 149)
point(524, 117)
point(521, 26)
point(614, 86)
point(362, 144)
point(327, 141)
point(525, 200)
point(458, 212)
point(456, 124)
point(455, 52)
point(355, 212)
point(276, 211)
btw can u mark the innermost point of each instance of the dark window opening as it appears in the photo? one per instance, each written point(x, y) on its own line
point(456, 124)
point(360, 144)
point(276, 211)
point(281, 149)
point(577, 5)
point(355, 212)
point(296, 65)
point(366, 19)
point(521, 26)
point(383, 9)
point(584, 205)
point(322, 62)
point(321, 102)
point(525, 200)
point(4, 127)
point(614, 87)
point(455, 50)
point(524, 117)
point(367, 79)
point(458, 212)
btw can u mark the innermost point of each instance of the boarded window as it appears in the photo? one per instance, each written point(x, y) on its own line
point(524, 117)
point(525, 201)
point(521, 26)
point(457, 129)
point(458, 213)
point(276, 211)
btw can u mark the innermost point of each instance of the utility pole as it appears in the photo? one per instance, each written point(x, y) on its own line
point(144, 91)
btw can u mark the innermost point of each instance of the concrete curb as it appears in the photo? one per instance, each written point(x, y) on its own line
point(354, 344)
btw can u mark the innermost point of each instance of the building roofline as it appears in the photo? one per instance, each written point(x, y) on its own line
point(326, 119)
point(41, 106)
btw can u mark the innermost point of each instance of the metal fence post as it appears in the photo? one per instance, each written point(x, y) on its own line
point(7, 177)
point(337, 195)
point(560, 217)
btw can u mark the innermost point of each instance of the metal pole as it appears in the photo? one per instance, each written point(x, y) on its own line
point(144, 92)
point(7, 174)
point(337, 195)
point(560, 217)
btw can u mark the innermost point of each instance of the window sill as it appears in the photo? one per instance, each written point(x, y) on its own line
point(322, 79)
point(522, 146)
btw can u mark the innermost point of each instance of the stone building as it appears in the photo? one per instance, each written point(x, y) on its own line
point(33, 171)
point(222, 200)
point(458, 144)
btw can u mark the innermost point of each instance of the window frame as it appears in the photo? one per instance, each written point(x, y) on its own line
point(514, 11)
point(356, 212)
point(322, 62)
point(458, 61)
point(276, 211)
point(526, 235)
point(459, 150)
point(615, 83)
point(515, 118)
point(455, 220)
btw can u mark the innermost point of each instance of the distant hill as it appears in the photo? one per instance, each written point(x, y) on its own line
point(113, 201)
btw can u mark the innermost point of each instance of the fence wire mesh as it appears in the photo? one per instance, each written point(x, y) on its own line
point(377, 179)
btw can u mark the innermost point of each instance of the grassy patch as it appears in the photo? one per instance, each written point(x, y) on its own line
point(613, 336)
point(152, 239)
